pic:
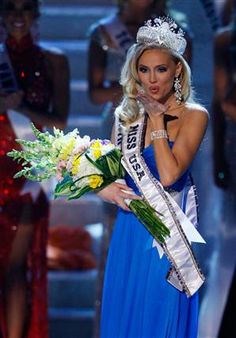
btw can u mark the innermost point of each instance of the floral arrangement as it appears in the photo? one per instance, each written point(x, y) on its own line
point(81, 165)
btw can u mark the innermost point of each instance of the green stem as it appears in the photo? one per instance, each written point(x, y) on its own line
point(150, 220)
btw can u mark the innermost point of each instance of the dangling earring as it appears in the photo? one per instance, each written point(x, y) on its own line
point(178, 90)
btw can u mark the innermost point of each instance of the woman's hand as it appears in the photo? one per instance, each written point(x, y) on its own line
point(116, 193)
point(10, 101)
point(151, 106)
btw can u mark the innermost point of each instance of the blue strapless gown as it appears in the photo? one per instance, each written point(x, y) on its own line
point(138, 302)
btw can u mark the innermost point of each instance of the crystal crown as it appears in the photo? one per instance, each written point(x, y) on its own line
point(164, 32)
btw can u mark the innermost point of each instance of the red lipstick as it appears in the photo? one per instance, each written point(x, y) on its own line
point(154, 89)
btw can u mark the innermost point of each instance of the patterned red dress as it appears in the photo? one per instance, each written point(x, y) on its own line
point(31, 72)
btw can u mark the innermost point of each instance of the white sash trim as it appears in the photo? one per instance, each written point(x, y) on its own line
point(186, 274)
point(118, 33)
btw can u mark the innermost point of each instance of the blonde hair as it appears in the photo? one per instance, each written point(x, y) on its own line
point(129, 110)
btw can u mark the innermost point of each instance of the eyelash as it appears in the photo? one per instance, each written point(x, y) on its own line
point(162, 69)
point(142, 69)
point(145, 70)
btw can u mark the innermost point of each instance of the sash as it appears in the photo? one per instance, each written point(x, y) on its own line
point(22, 128)
point(8, 82)
point(185, 273)
point(118, 33)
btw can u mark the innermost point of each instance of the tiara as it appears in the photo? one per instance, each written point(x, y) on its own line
point(162, 31)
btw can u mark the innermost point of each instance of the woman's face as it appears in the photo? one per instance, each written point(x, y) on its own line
point(156, 71)
point(18, 16)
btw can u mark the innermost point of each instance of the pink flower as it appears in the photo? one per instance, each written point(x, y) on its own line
point(60, 166)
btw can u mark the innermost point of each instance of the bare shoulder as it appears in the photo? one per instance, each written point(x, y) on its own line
point(193, 123)
point(55, 56)
point(195, 111)
point(223, 36)
point(194, 119)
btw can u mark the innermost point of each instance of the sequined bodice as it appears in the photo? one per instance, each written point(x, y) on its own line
point(9, 187)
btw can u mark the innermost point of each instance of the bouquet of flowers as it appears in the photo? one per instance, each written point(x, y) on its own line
point(80, 165)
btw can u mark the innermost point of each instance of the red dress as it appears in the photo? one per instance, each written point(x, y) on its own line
point(30, 69)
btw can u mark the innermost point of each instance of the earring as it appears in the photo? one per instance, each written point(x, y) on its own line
point(178, 90)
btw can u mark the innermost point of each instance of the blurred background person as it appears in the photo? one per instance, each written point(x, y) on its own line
point(224, 162)
point(210, 9)
point(35, 83)
point(226, 11)
point(228, 325)
point(224, 109)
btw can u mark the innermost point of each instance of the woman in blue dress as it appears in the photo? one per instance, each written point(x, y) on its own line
point(150, 290)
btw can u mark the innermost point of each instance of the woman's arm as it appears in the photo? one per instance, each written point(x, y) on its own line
point(172, 163)
point(60, 75)
point(10, 101)
point(97, 62)
point(228, 105)
point(221, 80)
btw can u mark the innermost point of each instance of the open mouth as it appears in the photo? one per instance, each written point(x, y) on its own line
point(154, 89)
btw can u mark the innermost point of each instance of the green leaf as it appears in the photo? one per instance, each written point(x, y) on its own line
point(95, 163)
point(79, 192)
point(64, 187)
point(150, 219)
point(109, 164)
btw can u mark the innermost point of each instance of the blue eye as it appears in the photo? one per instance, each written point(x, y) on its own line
point(142, 69)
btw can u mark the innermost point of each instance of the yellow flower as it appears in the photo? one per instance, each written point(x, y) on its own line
point(75, 165)
point(67, 150)
point(95, 181)
point(96, 149)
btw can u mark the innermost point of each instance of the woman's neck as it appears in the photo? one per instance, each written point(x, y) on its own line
point(19, 39)
point(19, 45)
point(172, 105)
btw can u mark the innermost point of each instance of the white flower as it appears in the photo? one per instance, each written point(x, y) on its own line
point(86, 168)
point(107, 148)
point(81, 144)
